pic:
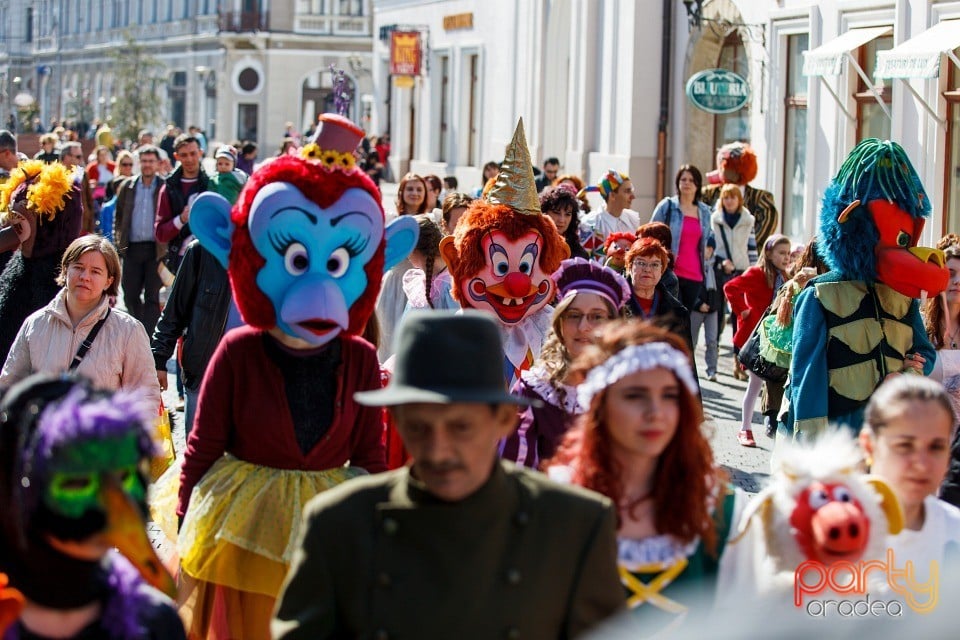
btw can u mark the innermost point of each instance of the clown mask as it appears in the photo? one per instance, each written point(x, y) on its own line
point(512, 284)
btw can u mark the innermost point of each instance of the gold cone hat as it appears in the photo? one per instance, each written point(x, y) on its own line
point(515, 186)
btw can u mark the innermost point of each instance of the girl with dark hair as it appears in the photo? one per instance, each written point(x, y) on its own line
point(429, 273)
point(454, 206)
point(434, 187)
point(561, 204)
point(689, 222)
point(750, 295)
point(490, 171)
point(640, 442)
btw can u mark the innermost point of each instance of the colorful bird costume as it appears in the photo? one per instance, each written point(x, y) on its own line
point(305, 248)
point(856, 324)
point(501, 257)
point(73, 487)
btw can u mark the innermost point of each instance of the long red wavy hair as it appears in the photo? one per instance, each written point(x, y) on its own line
point(685, 477)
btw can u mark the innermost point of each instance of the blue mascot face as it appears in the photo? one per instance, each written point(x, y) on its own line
point(315, 257)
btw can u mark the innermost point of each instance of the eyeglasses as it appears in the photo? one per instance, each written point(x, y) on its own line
point(126, 164)
point(640, 265)
point(575, 317)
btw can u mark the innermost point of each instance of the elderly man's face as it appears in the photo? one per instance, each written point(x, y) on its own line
point(453, 446)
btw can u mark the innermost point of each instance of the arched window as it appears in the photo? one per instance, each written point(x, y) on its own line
point(730, 127)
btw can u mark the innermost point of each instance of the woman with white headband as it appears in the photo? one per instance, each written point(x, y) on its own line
point(641, 443)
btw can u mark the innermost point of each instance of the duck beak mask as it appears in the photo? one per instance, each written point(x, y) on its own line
point(872, 218)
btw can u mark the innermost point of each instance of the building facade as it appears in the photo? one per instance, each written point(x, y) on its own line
point(239, 69)
point(602, 84)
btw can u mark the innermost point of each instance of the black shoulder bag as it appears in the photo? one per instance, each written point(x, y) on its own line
point(88, 342)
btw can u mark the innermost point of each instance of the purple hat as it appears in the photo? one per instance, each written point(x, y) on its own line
point(579, 275)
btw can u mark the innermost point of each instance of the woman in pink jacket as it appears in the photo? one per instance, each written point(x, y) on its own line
point(750, 294)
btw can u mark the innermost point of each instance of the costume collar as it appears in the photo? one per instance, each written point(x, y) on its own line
point(539, 382)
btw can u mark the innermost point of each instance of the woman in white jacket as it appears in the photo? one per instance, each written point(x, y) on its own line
point(49, 341)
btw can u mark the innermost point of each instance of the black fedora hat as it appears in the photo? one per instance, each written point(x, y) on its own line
point(444, 357)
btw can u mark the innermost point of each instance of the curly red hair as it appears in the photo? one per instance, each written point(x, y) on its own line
point(616, 236)
point(682, 504)
point(322, 186)
point(483, 217)
point(737, 163)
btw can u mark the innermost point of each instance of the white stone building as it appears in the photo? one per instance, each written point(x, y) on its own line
point(601, 84)
point(236, 68)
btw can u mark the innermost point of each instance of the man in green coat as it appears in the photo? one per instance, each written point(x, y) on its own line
point(459, 544)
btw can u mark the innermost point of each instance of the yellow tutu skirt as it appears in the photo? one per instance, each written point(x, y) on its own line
point(244, 522)
point(237, 541)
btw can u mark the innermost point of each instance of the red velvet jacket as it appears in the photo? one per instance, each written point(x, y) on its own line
point(748, 291)
point(242, 410)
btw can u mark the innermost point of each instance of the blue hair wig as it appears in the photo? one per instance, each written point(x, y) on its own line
point(875, 169)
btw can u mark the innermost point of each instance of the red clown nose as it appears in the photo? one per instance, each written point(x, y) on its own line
point(517, 284)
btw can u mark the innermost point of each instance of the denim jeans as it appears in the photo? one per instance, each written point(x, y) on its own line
point(709, 322)
point(190, 410)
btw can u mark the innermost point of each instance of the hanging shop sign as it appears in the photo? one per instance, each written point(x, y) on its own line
point(458, 21)
point(405, 53)
point(718, 91)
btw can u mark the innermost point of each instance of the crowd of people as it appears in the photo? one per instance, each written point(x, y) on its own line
point(480, 417)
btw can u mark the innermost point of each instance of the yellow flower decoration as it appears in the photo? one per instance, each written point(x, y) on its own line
point(329, 158)
point(311, 152)
point(46, 195)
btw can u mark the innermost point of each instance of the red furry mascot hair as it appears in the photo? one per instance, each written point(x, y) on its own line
point(483, 217)
point(322, 186)
point(738, 163)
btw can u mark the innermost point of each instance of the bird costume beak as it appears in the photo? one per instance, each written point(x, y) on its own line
point(126, 532)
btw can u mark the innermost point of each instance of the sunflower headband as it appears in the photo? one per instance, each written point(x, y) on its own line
point(329, 158)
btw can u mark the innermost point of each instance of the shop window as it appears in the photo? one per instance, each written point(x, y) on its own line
point(873, 120)
point(351, 7)
point(795, 140)
point(177, 93)
point(247, 115)
point(730, 127)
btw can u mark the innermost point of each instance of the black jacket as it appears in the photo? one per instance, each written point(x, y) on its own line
point(669, 314)
point(178, 201)
point(197, 307)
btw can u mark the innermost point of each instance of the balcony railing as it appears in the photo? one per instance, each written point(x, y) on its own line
point(332, 25)
point(244, 21)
